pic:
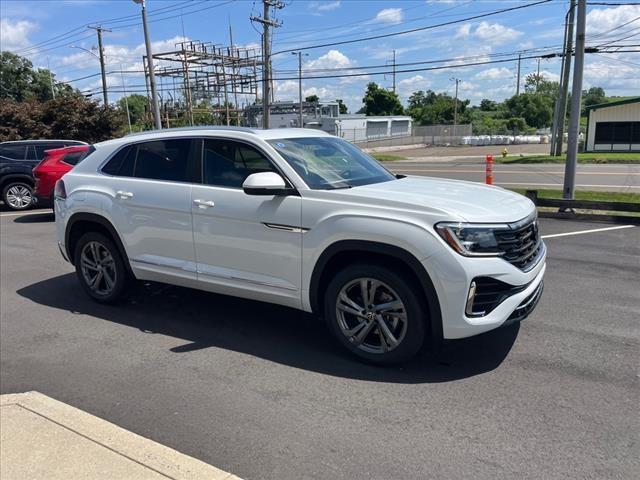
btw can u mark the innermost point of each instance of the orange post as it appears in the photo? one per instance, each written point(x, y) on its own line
point(489, 170)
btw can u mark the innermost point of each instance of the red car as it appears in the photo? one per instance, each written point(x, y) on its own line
point(53, 166)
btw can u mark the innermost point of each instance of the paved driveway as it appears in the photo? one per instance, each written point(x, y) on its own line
point(264, 392)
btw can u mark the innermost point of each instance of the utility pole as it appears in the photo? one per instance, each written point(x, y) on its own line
point(558, 133)
point(518, 80)
point(538, 75)
point(394, 71)
point(455, 107)
point(267, 23)
point(300, 54)
point(99, 30)
point(576, 98)
point(152, 79)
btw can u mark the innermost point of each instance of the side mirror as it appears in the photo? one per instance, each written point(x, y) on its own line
point(266, 183)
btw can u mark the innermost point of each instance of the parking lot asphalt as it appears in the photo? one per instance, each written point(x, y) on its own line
point(264, 392)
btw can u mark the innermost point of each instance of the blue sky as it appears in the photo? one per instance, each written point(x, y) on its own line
point(27, 24)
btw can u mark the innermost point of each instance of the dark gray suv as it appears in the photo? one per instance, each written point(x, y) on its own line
point(17, 160)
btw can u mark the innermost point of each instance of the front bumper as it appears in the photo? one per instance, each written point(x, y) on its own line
point(452, 275)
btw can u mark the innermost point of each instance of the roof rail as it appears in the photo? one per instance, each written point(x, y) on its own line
point(198, 128)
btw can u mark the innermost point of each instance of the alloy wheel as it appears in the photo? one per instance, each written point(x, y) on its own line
point(98, 268)
point(371, 315)
point(19, 197)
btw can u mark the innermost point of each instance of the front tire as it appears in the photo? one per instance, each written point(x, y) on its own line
point(100, 268)
point(375, 314)
point(18, 195)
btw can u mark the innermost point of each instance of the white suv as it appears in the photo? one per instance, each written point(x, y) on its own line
point(304, 219)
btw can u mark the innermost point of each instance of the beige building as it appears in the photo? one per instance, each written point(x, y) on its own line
point(614, 127)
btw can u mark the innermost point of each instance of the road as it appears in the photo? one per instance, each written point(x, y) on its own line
point(265, 393)
point(604, 177)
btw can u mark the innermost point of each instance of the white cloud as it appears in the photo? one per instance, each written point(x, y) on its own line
point(493, 73)
point(409, 85)
point(463, 31)
point(496, 33)
point(390, 15)
point(603, 20)
point(324, 6)
point(14, 35)
point(335, 59)
point(551, 76)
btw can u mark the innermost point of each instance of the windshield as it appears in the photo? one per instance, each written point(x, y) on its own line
point(326, 163)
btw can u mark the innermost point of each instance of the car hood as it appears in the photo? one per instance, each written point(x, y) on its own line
point(463, 201)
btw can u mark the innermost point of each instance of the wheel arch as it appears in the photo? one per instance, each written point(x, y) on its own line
point(333, 257)
point(82, 222)
point(11, 177)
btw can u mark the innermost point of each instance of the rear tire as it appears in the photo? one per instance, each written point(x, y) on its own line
point(18, 196)
point(375, 314)
point(100, 268)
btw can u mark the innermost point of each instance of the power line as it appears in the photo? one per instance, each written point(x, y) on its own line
point(428, 27)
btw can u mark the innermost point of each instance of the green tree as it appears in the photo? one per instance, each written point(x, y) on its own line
point(488, 105)
point(536, 109)
point(342, 107)
point(73, 117)
point(378, 101)
point(312, 99)
point(430, 108)
point(19, 81)
point(593, 96)
point(138, 108)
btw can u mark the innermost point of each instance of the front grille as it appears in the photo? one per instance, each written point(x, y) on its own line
point(490, 293)
point(521, 243)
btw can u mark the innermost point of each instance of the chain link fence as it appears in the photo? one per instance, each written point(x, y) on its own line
point(429, 135)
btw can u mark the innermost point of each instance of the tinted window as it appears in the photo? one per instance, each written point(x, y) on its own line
point(163, 160)
point(228, 164)
point(75, 157)
point(121, 163)
point(14, 152)
point(617, 132)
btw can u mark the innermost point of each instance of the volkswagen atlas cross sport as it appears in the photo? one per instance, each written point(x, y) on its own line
point(302, 218)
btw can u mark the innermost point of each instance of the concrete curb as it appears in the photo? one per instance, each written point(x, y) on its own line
point(40, 434)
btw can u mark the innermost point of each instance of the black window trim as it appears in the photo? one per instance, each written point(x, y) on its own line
point(199, 166)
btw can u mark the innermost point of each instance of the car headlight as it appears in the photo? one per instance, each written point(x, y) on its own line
point(472, 239)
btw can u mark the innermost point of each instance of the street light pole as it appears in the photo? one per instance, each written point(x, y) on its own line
point(152, 78)
point(455, 107)
point(300, 54)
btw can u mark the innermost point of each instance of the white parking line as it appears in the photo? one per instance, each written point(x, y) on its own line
point(580, 232)
point(37, 212)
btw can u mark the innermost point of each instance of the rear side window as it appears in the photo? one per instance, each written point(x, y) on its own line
point(163, 160)
point(13, 152)
point(158, 160)
point(40, 148)
point(121, 164)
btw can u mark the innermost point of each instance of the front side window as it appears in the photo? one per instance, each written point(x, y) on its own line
point(327, 163)
point(227, 163)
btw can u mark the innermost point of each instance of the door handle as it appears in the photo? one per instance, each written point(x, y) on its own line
point(124, 195)
point(204, 203)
